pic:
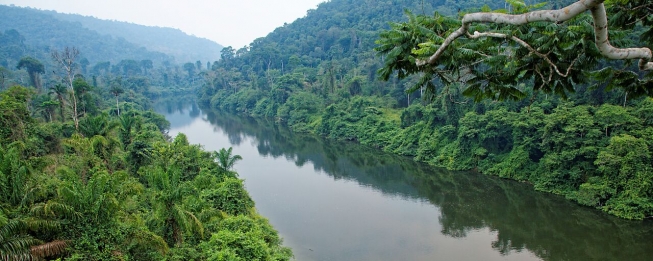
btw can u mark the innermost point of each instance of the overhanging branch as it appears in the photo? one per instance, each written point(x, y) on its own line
point(527, 46)
point(600, 28)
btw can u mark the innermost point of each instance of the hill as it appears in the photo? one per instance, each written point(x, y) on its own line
point(174, 42)
point(101, 40)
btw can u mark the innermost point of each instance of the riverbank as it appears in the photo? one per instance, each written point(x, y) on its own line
point(596, 156)
point(337, 200)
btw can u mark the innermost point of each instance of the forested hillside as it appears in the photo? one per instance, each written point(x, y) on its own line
point(586, 137)
point(173, 42)
point(101, 40)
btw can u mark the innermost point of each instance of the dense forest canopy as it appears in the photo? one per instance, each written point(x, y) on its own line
point(116, 188)
point(584, 134)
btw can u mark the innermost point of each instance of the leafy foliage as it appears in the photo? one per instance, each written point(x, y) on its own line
point(114, 190)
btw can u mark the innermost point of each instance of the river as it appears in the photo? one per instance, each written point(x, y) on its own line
point(341, 201)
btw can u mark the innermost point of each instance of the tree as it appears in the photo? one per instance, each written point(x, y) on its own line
point(168, 193)
point(66, 61)
point(116, 90)
point(146, 65)
point(554, 16)
point(16, 243)
point(190, 68)
point(127, 125)
point(15, 117)
point(46, 106)
point(626, 180)
point(4, 74)
point(226, 159)
point(96, 125)
point(130, 67)
point(552, 48)
point(84, 64)
point(82, 92)
point(60, 90)
point(227, 53)
point(34, 68)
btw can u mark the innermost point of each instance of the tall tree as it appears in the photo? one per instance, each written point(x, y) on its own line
point(34, 68)
point(116, 90)
point(66, 61)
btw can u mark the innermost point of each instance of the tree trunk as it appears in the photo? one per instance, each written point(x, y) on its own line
point(625, 99)
point(75, 115)
point(61, 107)
point(117, 106)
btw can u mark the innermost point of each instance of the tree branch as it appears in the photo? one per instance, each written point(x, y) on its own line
point(609, 51)
point(600, 28)
point(527, 46)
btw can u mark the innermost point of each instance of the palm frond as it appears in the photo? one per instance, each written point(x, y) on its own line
point(52, 248)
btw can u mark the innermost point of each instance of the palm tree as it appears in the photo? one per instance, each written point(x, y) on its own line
point(15, 176)
point(225, 159)
point(170, 214)
point(127, 124)
point(14, 242)
point(98, 125)
point(60, 90)
point(17, 244)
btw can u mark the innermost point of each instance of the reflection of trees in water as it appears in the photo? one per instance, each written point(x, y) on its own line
point(194, 111)
point(179, 105)
point(550, 227)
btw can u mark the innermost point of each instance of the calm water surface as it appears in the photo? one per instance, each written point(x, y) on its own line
point(341, 201)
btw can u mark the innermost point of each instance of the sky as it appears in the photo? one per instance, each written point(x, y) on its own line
point(233, 23)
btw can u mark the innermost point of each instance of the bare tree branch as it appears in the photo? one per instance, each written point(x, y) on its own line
point(600, 28)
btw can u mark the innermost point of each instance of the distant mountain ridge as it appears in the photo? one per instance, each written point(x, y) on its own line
point(171, 41)
point(104, 40)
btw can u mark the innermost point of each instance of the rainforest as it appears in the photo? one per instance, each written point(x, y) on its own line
point(90, 171)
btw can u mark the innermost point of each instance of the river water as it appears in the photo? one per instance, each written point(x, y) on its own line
point(342, 201)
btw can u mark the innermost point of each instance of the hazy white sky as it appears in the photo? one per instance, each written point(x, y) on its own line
point(233, 23)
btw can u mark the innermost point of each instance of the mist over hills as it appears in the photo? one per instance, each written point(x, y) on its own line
point(104, 40)
point(171, 41)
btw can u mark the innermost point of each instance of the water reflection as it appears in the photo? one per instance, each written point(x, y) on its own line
point(179, 113)
point(549, 227)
